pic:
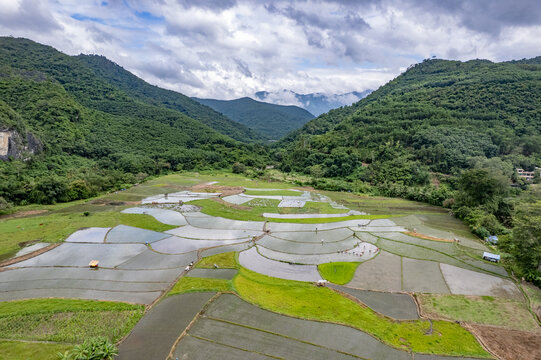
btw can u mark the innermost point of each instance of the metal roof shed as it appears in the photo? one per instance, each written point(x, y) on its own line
point(491, 257)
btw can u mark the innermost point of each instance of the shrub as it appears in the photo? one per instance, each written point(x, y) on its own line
point(98, 348)
point(238, 168)
point(4, 205)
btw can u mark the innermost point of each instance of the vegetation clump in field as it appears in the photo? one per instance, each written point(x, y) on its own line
point(97, 348)
point(338, 272)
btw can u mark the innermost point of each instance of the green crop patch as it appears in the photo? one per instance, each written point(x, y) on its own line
point(65, 320)
point(485, 310)
point(194, 284)
point(222, 261)
point(304, 300)
point(17, 350)
point(338, 272)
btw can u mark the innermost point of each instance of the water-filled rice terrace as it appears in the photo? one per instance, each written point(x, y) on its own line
point(231, 273)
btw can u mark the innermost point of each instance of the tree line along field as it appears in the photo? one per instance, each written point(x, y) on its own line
point(72, 321)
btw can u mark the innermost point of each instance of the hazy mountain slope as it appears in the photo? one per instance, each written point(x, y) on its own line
point(315, 103)
point(141, 90)
point(273, 121)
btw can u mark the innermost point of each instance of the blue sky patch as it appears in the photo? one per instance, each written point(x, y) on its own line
point(82, 17)
point(145, 15)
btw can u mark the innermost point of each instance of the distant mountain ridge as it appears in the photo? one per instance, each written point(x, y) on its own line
point(315, 103)
point(272, 121)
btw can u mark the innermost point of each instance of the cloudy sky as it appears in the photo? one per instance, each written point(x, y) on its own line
point(231, 48)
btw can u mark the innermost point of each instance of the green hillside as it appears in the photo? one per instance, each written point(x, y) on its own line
point(273, 121)
point(117, 76)
point(90, 135)
point(439, 113)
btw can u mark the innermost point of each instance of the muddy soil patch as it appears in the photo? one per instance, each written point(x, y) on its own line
point(224, 190)
point(509, 344)
point(21, 214)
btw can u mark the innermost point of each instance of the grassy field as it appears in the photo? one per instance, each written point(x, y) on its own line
point(273, 192)
point(19, 350)
point(338, 272)
point(65, 320)
point(56, 227)
point(224, 261)
point(485, 310)
point(254, 209)
point(304, 300)
point(194, 284)
point(534, 295)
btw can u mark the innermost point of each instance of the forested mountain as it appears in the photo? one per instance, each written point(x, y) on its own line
point(315, 103)
point(445, 132)
point(89, 134)
point(273, 121)
point(139, 89)
point(439, 115)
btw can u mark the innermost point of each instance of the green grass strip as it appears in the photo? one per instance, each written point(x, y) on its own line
point(304, 300)
point(223, 261)
point(194, 284)
point(45, 306)
point(338, 272)
point(255, 209)
point(273, 192)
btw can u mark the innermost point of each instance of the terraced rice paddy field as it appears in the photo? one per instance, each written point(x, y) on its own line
point(217, 266)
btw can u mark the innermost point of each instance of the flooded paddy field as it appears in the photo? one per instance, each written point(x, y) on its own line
point(150, 247)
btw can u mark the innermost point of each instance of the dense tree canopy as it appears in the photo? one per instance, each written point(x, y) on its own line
point(97, 134)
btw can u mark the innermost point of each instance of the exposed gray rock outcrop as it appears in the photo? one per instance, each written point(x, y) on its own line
point(16, 146)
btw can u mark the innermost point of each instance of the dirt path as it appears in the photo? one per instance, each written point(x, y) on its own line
point(27, 256)
point(20, 214)
point(426, 237)
point(225, 190)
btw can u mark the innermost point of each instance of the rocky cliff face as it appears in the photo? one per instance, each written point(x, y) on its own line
point(14, 145)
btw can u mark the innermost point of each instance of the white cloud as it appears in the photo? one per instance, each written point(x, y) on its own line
point(229, 49)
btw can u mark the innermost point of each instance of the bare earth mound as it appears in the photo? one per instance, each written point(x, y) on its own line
point(510, 344)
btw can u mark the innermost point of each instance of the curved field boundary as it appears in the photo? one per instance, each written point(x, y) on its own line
point(466, 265)
point(306, 259)
point(251, 259)
point(342, 339)
point(305, 301)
